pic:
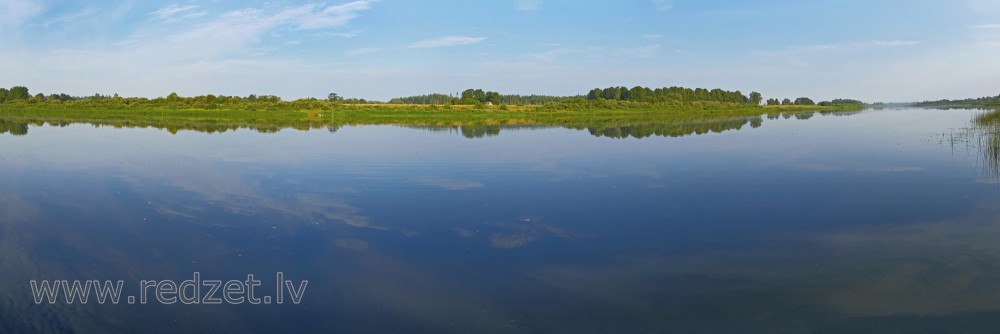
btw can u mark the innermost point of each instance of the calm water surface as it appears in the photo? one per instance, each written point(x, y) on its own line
point(878, 221)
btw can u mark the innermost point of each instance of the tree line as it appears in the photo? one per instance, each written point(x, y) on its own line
point(478, 97)
point(988, 101)
point(21, 93)
point(667, 94)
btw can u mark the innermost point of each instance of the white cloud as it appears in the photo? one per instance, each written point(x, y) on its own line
point(528, 5)
point(14, 13)
point(446, 41)
point(333, 16)
point(662, 5)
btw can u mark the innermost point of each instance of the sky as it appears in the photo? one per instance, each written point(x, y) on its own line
point(873, 50)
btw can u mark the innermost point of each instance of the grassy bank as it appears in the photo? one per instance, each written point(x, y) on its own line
point(321, 113)
point(619, 121)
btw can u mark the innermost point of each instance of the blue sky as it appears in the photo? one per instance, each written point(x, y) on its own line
point(875, 50)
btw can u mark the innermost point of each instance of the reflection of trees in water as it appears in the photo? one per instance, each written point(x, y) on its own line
point(634, 129)
point(612, 129)
point(20, 127)
point(667, 129)
point(609, 128)
point(478, 131)
point(840, 113)
point(14, 128)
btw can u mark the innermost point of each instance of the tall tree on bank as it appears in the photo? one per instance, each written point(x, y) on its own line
point(333, 97)
point(18, 93)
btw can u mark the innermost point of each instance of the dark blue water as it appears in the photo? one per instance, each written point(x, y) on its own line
point(879, 221)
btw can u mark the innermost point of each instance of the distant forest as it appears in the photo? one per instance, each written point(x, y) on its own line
point(989, 101)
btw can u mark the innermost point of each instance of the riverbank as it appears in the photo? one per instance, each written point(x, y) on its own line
point(321, 113)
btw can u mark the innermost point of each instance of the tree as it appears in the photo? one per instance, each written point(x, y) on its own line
point(18, 93)
point(594, 94)
point(786, 102)
point(474, 95)
point(609, 94)
point(492, 97)
point(773, 102)
point(333, 97)
point(756, 98)
point(804, 101)
point(639, 93)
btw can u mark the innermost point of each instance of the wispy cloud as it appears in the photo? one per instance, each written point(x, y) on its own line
point(17, 12)
point(171, 11)
point(894, 43)
point(647, 51)
point(551, 55)
point(986, 26)
point(333, 16)
point(985, 6)
point(239, 30)
point(361, 51)
point(822, 48)
point(816, 47)
point(528, 5)
point(662, 5)
point(446, 41)
point(345, 34)
point(73, 17)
